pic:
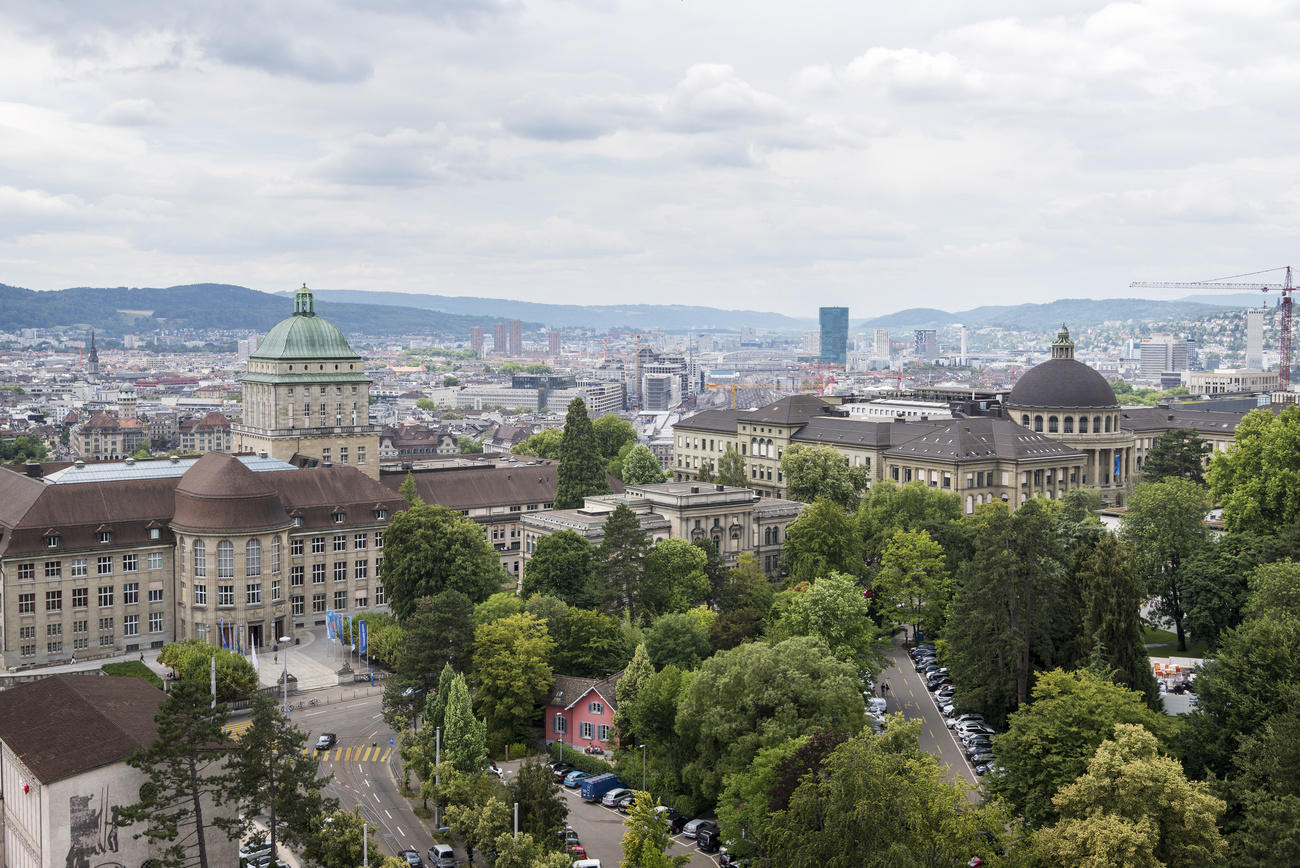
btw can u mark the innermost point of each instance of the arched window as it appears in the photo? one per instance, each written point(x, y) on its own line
point(253, 558)
point(225, 559)
point(970, 504)
point(1096, 424)
point(1024, 419)
point(200, 558)
point(1069, 425)
point(1038, 423)
point(1107, 424)
point(1052, 424)
point(1083, 424)
point(275, 554)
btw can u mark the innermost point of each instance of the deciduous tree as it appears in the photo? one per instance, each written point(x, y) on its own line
point(589, 644)
point(645, 843)
point(834, 610)
point(543, 444)
point(431, 549)
point(582, 468)
point(562, 565)
point(818, 471)
point(913, 579)
point(611, 434)
point(635, 676)
point(1257, 481)
point(819, 541)
point(731, 469)
point(513, 673)
point(192, 660)
point(640, 467)
point(1165, 524)
point(674, 579)
point(677, 639)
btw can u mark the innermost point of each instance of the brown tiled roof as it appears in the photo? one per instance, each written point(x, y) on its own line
point(984, 438)
point(220, 493)
point(792, 410)
point(68, 724)
point(478, 487)
point(77, 510)
point(315, 493)
point(569, 689)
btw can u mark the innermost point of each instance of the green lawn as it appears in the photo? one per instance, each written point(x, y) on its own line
point(1164, 643)
point(132, 669)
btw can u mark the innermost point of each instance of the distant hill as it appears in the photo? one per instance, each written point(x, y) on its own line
point(1074, 312)
point(121, 310)
point(665, 317)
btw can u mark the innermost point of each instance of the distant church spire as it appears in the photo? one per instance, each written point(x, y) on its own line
point(1063, 347)
point(93, 359)
point(303, 302)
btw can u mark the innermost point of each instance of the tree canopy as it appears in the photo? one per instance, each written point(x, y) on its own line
point(1180, 453)
point(582, 467)
point(640, 467)
point(543, 444)
point(819, 541)
point(1257, 481)
point(513, 672)
point(429, 549)
point(821, 471)
point(1164, 525)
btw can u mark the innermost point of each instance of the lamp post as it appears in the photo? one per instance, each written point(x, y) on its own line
point(284, 690)
point(643, 789)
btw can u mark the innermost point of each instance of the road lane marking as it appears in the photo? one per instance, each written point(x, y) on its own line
point(384, 758)
point(390, 816)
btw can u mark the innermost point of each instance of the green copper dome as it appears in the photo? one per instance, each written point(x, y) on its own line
point(304, 335)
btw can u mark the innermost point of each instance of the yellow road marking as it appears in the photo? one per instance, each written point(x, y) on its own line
point(338, 754)
point(384, 758)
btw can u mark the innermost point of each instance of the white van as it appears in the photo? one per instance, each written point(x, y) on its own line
point(876, 705)
point(442, 856)
point(587, 863)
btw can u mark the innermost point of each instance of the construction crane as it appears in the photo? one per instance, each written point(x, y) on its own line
point(1285, 287)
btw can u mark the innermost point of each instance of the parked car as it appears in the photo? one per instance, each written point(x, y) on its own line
point(695, 828)
point(442, 856)
point(731, 860)
point(326, 741)
point(611, 797)
point(708, 840)
point(570, 836)
point(577, 851)
point(969, 717)
point(595, 786)
point(253, 849)
point(587, 863)
point(561, 770)
point(626, 803)
point(412, 858)
point(876, 705)
point(676, 821)
point(575, 778)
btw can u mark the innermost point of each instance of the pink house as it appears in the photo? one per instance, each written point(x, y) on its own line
point(581, 712)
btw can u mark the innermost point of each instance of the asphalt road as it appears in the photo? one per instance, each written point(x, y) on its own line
point(601, 831)
point(362, 764)
point(907, 694)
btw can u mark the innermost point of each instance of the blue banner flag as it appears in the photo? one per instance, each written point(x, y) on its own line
point(362, 638)
point(221, 632)
point(329, 624)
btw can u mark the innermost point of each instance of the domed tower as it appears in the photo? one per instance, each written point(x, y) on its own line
point(306, 392)
point(1070, 402)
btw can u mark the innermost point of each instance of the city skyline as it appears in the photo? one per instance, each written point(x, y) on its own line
point(953, 155)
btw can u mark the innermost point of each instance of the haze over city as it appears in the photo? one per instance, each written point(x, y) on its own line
point(749, 155)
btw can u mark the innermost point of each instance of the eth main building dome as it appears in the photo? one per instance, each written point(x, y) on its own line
point(1062, 382)
point(304, 336)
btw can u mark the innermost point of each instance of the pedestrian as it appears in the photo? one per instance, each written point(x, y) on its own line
point(885, 685)
point(882, 688)
point(74, 659)
point(141, 656)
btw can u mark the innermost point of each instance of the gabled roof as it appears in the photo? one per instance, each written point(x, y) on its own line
point(1169, 418)
point(722, 421)
point(983, 438)
point(64, 725)
point(791, 410)
point(569, 690)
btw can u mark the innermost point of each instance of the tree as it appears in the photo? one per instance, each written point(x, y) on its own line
point(1113, 597)
point(192, 660)
point(464, 735)
point(1130, 784)
point(141, 453)
point(676, 639)
point(731, 469)
point(654, 713)
point(1050, 741)
point(1257, 481)
point(449, 381)
point(640, 467)
point(542, 807)
point(526, 852)
point(646, 840)
point(470, 446)
point(635, 676)
point(820, 540)
point(543, 444)
point(589, 644)
point(748, 797)
point(913, 579)
point(705, 473)
point(429, 549)
point(409, 492)
point(819, 471)
point(611, 434)
point(438, 633)
point(1214, 589)
point(498, 606)
point(277, 775)
point(479, 824)
point(1180, 453)
point(562, 565)
point(188, 780)
point(582, 470)
point(834, 610)
point(23, 449)
point(889, 507)
point(621, 560)
point(435, 706)
point(513, 674)
point(757, 695)
point(892, 801)
point(673, 580)
point(425, 404)
point(1165, 524)
point(337, 842)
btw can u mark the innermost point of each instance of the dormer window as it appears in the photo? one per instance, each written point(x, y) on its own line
point(104, 536)
point(297, 521)
point(52, 541)
point(381, 514)
point(339, 516)
point(155, 533)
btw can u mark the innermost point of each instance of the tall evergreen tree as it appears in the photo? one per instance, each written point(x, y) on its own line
point(582, 469)
point(542, 807)
point(635, 676)
point(409, 492)
point(190, 788)
point(464, 735)
point(1177, 453)
point(622, 557)
point(1113, 597)
point(278, 776)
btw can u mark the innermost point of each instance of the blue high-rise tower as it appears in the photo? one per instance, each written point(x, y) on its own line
point(835, 335)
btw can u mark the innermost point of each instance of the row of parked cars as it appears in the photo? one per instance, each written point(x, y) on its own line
point(971, 730)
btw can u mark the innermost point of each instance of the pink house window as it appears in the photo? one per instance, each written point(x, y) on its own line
point(588, 731)
point(596, 708)
point(560, 724)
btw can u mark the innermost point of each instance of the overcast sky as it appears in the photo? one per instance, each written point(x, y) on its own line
point(755, 154)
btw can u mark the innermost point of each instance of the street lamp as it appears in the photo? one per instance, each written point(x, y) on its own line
point(284, 640)
point(643, 789)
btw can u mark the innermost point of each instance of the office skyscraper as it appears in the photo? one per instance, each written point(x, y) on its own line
point(499, 331)
point(926, 344)
point(516, 338)
point(476, 340)
point(1255, 339)
point(554, 339)
point(835, 335)
point(882, 345)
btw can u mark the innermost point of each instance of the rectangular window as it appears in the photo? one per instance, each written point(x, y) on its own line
point(155, 622)
point(318, 602)
point(318, 545)
point(359, 541)
point(27, 651)
point(587, 730)
point(105, 641)
point(53, 569)
point(604, 730)
point(105, 596)
point(340, 599)
point(361, 454)
point(105, 624)
point(105, 536)
point(339, 517)
point(340, 571)
point(53, 647)
point(155, 560)
point(104, 566)
point(559, 724)
point(276, 590)
point(27, 572)
point(53, 601)
point(340, 543)
point(275, 555)
point(79, 644)
point(297, 602)
point(295, 576)
point(324, 453)
point(361, 602)
point(295, 547)
point(253, 594)
point(28, 632)
point(80, 598)
point(225, 595)
point(361, 570)
point(379, 567)
point(131, 593)
point(131, 625)
point(380, 598)
point(155, 595)
point(596, 707)
point(53, 630)
point(77, 569)
point(200, 595)
point(318, 574)
point(52, 542)
point(80, 626)
point(379, 539)
point(130, 563)
point(343, 455)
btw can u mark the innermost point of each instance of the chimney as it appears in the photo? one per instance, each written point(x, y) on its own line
point(79, 464)
point(695, 489)
point(719, 487)
point(33, 469)
point(174, 459)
